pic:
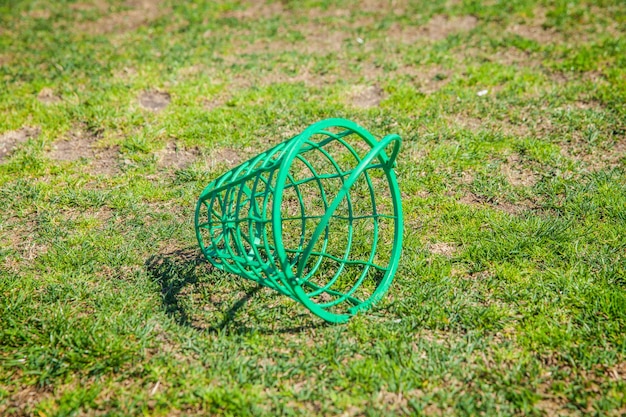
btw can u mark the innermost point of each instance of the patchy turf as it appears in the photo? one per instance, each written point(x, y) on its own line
point(510, 298)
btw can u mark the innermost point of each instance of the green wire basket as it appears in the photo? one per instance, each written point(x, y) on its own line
point(317, 218)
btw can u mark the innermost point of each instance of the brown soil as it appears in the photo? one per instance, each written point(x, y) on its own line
point(48, 96)
point(40, 14)
point(22, 401)
point(257, 10)
point(214, 102)
point(125, 73)
point(174, 156)
point(140, 13)
point(4, 59)
point(599, 157)
point(510, 208)
point(230, 156)
point(442, 248)
point(366, 96)
point(100, 5)
point(470, 199)
point(430, 79)
point(396, 7)
point(154, 100)
point(81, 144)
point(20, 236)
point(316, 41)
point(438, 28)
point(516, 173)
point(535, 33)
point(9, 141)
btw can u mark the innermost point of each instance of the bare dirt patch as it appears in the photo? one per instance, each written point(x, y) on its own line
point(442, 248)
point(77, 146)
point(154, 100)
point(214, 102)
point(515, 172)
point(597, 158)
point(140, 13)
point(366, 97)
point(40, 14)
point(470, 199)
point(430, 79)
point(230, 156)
point(396, 7)
point(535, 33)
point(321, 42)
point(438, 28)
point(81, 144)
point(509, 56)
point(22, 401)
point(257, 10)
point(510, 208)
point(21, 237)
point(125, 73)
point(10, 140)
point(100, 5)
point(316, 41)
point(475, 124)
point(466, 122)
point(48, 96)
point(4, 59)
point(174, 156)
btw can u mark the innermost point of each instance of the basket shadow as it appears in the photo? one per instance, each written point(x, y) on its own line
point(180, 272)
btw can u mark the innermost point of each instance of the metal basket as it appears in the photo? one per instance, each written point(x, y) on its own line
point(317, 218)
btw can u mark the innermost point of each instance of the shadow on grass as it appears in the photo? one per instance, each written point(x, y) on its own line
point(180, 273)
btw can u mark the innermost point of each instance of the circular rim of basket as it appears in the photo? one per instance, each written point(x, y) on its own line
point(292, 150)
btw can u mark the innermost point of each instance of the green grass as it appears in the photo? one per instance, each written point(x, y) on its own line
point(511, 294)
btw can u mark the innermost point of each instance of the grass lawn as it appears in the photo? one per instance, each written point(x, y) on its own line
point(510, 297)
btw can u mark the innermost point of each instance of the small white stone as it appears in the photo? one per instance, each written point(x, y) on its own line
point(359, 40)
point(482, 93)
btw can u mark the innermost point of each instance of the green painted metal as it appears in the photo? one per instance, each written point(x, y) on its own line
point(317, 218)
